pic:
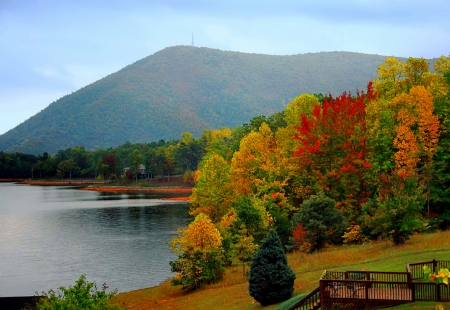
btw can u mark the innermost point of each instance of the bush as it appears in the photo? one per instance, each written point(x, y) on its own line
point(271, 279)
point(83, 295)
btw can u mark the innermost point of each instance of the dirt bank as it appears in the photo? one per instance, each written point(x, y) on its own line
point(12, 180)
point(137, 189)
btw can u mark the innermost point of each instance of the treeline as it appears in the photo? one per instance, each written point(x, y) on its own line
point(163, 158)
point(159, 158)
point(333, 170)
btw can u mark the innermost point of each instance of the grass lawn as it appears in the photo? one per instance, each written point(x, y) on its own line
point(232, 291)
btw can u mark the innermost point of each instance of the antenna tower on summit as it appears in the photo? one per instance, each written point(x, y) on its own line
point(192, 39)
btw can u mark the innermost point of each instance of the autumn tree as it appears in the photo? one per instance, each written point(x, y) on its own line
point(333, 148)
point(258, 163)
point(261, 170)
point(417, 134)
point(111, 163)
point(219, 141)
point(299, 179)
point(391, 76)
point(200, 255)
point(212, 194)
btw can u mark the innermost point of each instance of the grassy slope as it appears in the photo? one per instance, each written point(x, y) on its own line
point(232, 292)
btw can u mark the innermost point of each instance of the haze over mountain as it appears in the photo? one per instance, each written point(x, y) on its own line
point(185, 88)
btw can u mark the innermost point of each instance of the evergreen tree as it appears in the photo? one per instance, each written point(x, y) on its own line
point(322, 221)
point(271, 279)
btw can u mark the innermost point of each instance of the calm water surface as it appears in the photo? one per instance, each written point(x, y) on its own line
point(50, 235)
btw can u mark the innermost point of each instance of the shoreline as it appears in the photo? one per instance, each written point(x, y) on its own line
point(9, 180)
point(102, 186)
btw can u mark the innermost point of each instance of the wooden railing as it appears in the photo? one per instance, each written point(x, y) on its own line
point(310, 301)
point(430, 291)
point(376, 289)
point(382, 276)
point(416, 269)
point(334, 275)
point(380, 290)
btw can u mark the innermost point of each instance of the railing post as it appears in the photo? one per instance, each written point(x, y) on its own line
point(438, 291)
point(434, 265)
point(366, 287)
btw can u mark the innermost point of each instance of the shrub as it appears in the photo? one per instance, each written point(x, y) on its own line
point(83, 295)
point(271, 279)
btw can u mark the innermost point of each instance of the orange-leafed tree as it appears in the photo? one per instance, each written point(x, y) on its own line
point(417, 130)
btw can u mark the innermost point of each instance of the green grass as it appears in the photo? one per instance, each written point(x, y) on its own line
point(232, 291)
point(422, 305)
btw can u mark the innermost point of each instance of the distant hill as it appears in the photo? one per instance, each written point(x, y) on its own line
point(185, 88)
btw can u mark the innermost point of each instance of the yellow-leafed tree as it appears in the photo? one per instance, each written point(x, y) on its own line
point(200, 254)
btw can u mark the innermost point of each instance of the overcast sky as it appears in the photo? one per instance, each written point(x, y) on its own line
point(50, 48)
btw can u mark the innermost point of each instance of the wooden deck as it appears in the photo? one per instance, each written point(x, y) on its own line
point(372, 294)
point(370, 290)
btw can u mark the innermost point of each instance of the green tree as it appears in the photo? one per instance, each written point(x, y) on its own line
point(271, 279)
point(212, 194)
point(135, 160)
point(66, 166)
point(244, 248)
point(252, 214)
point(320, 218)
point(396, 213)
point(83, 295)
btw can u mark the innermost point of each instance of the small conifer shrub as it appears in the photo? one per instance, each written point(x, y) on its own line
point(271, 279)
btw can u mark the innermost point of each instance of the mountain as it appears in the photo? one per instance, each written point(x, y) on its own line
point(185, 88)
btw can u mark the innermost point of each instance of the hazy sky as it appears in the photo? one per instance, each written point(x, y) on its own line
point(50, 48)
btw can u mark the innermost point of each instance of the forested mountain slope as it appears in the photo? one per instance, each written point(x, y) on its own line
point(185, 88)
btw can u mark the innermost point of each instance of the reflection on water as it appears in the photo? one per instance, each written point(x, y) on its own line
point(49, 236)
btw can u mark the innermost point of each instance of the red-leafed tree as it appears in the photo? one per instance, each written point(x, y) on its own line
point(110, 162)
point(333, 148)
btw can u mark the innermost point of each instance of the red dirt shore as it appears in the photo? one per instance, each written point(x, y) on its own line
point(59, 182)
point(137, 189)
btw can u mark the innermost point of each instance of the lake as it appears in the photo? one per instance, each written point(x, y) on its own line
point(51, 235)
